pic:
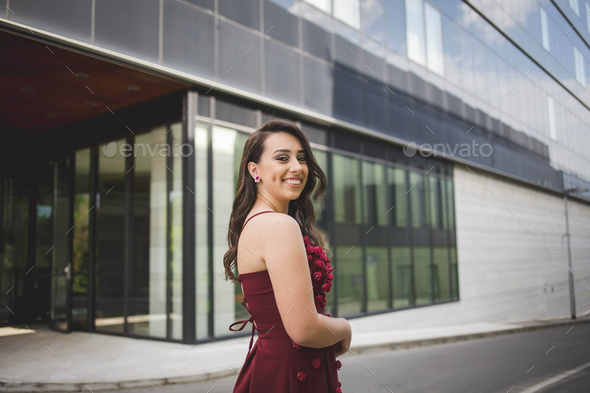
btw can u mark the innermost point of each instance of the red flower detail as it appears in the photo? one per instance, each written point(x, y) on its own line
point(317, 249)
point(338, 364)
point(328, 315)
point(310, 272)
point(309, 258)
point(309, 249)
point(306, 240)
point(316, 362)
point(326, 287)
point(317, 276)
point(338, 390)
point(296, 345)
point(301, 376)
point(328, 266)
point(330, 276)
point(318, 263)
point(318, 299)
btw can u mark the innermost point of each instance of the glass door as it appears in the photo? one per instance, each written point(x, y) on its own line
point(61, 276)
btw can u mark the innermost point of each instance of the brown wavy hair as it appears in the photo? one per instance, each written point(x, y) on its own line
point(301, 209)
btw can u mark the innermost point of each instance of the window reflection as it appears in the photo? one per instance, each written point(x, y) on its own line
point(80, 254)
point(415, 31)
point(110, 235)
point(147, 281)
point(228, 145)
point(203, 283)
point(175, 201)
point(348, 216)
point(434, 46)
point(372, 20)
point(348, 11)
point(375, 219)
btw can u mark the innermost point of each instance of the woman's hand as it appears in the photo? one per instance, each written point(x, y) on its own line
point(343, 345)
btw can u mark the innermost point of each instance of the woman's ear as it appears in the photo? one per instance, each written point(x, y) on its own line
point(253, 170)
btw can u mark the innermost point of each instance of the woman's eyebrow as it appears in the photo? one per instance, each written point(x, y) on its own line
point(288, 151)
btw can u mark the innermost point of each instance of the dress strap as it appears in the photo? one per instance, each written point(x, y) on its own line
point(244, 323)
point(254, 215)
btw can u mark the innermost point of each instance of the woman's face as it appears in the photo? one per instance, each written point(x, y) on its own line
point(282, 169)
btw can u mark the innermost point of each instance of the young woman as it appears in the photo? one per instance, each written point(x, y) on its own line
point(284, 272)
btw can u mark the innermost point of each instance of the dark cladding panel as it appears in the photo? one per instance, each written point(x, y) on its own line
point(279, 24)
point(208, 4)
point(188, 39)
point(71, 18)
point(235, 113)
point(317, 40)
point(281, 72)
point(130, 27)
point(239, 48)
point(315, 134)
point(375, 107)
point(245, 12)
point(348, 97)
point(318, 87)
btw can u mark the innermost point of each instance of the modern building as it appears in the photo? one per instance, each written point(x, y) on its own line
point(451, 133)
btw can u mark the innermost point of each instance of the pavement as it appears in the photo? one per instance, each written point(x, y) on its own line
point(39, 359)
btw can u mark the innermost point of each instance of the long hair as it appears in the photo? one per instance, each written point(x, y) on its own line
point(301, 209)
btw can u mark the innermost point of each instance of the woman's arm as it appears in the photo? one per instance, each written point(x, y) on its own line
point(284, 253)
point(328, 331)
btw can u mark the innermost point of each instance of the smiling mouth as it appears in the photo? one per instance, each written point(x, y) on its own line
point(294, 182)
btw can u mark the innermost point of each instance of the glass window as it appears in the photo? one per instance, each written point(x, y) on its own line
point(575, 6)
point(202, 230)
point(80, 254)
point(175, 201)
point(551, 113)
point(415, 31)
point(588, 16)
point(401, 272)
point(440, 272)
point(579, 62)
point(395, 25)
point(348, 11)
point(434, 46)
point(228, 146)
point(375, 219)
point(545, 30)
point(372, 20)
point(419, 207)
point(397, 184)
point(147, 291)
point(375, 202)
point(348, 216)
point(324, 5)
point(110, 235)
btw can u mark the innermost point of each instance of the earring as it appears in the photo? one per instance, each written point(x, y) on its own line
point(257, 180)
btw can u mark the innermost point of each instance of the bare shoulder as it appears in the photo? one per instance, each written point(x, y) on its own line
point(278, 226)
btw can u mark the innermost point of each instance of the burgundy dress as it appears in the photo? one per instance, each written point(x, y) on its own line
point(276, 363)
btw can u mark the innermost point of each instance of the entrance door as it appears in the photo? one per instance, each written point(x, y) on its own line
point(61, 270)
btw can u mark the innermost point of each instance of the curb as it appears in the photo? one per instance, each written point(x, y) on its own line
point(6, 386)
point(462, 337)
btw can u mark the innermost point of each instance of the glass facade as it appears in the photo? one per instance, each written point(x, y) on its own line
point(488, 65)
point(428, 71)
point(388, 225)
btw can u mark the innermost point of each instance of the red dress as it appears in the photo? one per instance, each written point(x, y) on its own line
point(276, 363)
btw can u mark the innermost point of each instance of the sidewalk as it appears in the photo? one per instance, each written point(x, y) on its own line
point(44, 360)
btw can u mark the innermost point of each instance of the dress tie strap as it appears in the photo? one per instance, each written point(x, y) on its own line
point(244, 323)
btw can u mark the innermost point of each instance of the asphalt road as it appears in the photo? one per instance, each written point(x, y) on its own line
point(510, 363)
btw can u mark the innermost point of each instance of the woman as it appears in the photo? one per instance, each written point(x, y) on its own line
point(284, 272)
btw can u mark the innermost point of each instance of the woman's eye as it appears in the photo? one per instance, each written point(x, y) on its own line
point(283, 158)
